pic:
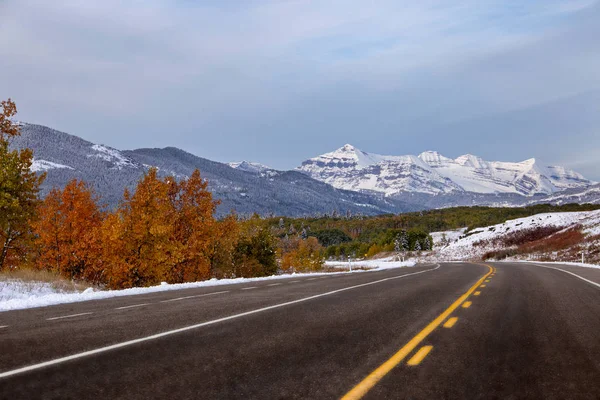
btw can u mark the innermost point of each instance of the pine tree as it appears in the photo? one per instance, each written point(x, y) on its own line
point(427, 243)
point(19, 188)
point(404, 241)
point(417, 246)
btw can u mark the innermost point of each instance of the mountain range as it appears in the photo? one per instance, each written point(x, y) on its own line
point(431, 173)
point(109, 171)
point(345, 180)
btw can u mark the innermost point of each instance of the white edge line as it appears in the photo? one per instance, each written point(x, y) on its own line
point(248, 288)
point(194, 296)
point(68, 316)
point(274, 284)
point(3, 326)
point(191, 327)
point(132, 306)
point(570, 273)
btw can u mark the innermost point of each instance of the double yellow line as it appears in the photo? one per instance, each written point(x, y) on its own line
point(371, 380)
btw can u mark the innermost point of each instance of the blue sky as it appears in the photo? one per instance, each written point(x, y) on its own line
point(279, 81)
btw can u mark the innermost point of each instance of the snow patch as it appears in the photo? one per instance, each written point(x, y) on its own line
point(111, 155)
point(44, 165)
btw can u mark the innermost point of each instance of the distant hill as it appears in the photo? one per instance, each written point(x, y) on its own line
point(109, 171)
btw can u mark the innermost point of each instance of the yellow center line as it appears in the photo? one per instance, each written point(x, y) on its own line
point(487, 281)
point(481, 285)
point(371, 380)
point(450, 323)
point(477, 293)
point(421, 354)
point(467, 304)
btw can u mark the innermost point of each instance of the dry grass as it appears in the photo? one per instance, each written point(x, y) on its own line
point(32, 275)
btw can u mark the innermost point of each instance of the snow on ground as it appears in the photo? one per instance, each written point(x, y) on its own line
point(464, 248)
point(43, 165)
point(111, 155)
point(444, 238)
point(18, 290)
point(379, 264)
point(17, 294)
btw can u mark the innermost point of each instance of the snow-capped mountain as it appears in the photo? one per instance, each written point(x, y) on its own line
point(433, 174)
point(352, 169)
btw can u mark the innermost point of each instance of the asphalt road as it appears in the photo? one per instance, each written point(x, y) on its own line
point(428, 332)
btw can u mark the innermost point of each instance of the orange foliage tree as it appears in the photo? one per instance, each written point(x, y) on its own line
point(164, 231)
point(137, 237)
point(68, 233)
point(195, 230)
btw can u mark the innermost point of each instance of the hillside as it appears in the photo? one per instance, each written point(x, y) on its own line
point(545, 237)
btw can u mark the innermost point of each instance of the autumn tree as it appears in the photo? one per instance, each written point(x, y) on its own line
point(19, 188)
point(223, 246)
point(195, 230)
point(303, 255)
point(138, 237)
point(68, 234)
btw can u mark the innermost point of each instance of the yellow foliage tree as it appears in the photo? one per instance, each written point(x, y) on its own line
point(303, 255)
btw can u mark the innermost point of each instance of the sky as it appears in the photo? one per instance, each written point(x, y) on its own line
point(280, 81)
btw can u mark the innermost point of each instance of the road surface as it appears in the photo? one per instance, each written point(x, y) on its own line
point(449, 331)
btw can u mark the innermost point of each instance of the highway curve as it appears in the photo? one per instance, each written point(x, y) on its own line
point(449, 331)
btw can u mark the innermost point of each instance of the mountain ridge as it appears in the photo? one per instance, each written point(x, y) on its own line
point(110, 171)
point(432, 173)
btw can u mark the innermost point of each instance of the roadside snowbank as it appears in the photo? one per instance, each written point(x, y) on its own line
point(379, 264)
point(16, 294)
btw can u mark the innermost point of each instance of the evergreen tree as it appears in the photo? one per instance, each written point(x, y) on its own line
point(19, 188)
point(427, 245)
point(404, 241)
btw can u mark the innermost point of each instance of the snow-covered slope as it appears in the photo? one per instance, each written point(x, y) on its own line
point(588, 194)
point(432, 173)
point(479, 241)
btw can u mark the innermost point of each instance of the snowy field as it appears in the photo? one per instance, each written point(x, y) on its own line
point(17, 294)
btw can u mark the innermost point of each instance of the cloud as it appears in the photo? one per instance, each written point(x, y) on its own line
point(277, 81)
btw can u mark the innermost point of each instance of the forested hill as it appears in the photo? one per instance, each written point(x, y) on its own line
point(109, 171)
